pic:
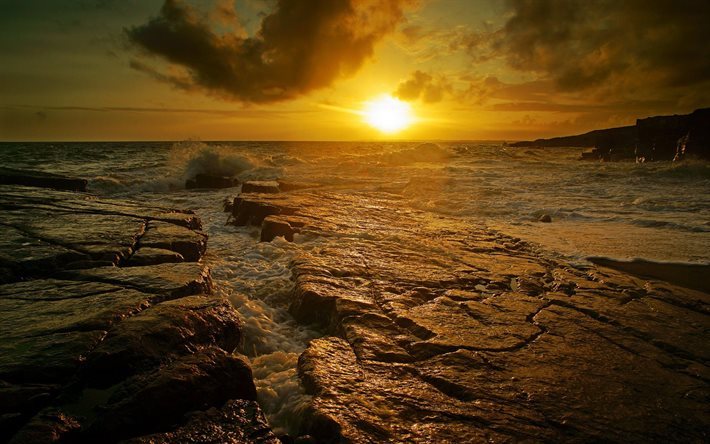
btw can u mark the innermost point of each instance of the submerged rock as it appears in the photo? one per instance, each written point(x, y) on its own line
point(545, 218)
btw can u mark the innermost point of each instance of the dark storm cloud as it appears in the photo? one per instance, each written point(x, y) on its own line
point(301, 46)
point(582, 44)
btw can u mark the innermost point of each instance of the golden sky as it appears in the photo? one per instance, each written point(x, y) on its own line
point(304, 69)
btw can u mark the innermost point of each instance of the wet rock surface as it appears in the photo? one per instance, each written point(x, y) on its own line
point(437, 331)
point(238, 422)
point(109, 329)
point(10, 176)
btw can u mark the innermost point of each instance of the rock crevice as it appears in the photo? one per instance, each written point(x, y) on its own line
point(437, 331)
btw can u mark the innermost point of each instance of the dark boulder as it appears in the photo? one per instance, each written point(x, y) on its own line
point(210, 181)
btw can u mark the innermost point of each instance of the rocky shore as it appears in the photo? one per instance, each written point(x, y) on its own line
point(433, 330)
point(109, 329)
point(436, 331)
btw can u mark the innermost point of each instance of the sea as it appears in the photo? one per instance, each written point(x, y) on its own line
point(623, 210)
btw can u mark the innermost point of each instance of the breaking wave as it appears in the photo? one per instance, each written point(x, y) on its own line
point(184, 160)
point(190, 158)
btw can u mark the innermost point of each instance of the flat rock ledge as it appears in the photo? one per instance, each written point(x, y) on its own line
point(109, 330)
point(439, 331)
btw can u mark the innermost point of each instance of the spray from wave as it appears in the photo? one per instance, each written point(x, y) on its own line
point(175, 164)
point(191, 158)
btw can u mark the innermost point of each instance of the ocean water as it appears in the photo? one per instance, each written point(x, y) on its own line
point(656, 211)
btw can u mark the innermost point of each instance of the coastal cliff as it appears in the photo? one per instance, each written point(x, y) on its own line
point(626, 134)
point(651, 139)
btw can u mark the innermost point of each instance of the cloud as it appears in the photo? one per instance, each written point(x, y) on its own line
point(421, 85)
point(632, 45)
point(303, 45)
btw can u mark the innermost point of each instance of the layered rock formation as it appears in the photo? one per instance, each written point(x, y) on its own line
point(433, 330)
point(109, 330)
point(438, 331)
point(10, 176)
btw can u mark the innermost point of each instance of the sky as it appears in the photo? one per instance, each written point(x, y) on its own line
point(304, 69)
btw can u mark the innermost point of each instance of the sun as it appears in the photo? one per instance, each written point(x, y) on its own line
point(388, 114)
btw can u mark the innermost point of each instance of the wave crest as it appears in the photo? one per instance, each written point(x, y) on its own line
point(200, 158)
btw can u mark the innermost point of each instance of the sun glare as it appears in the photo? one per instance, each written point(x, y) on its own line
point(388, 114)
